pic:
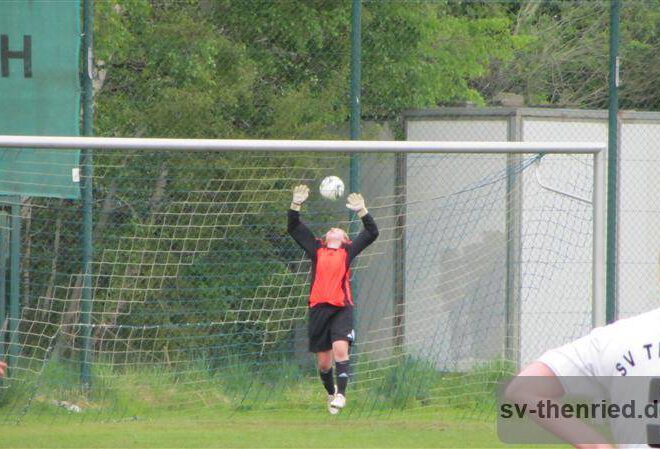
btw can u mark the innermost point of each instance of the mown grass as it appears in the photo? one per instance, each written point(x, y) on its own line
point(282, 429)
point(407, 404)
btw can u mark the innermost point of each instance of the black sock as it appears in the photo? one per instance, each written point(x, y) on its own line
point(342, 376)
point(328, 381)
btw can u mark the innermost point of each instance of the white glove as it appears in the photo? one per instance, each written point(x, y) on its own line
point(356, 204)
point(300, 194)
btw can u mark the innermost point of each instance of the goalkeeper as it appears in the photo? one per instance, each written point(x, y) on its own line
point(330, 301)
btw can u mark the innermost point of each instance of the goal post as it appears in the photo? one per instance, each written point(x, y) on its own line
point(193, 278)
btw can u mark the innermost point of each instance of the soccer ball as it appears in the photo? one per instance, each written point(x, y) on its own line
point(332, 187)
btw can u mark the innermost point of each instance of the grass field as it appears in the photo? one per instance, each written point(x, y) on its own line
point(405, 406)
point(282, 430)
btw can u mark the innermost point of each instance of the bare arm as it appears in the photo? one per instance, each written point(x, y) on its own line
point(530, 393)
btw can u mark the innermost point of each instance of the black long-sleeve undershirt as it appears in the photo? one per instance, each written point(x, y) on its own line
point(307, 241)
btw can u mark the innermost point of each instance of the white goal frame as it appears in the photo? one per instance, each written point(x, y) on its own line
point(595, 149)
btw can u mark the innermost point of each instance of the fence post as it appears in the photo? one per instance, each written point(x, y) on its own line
point(4, 250)
point(514, 197)
point(14, 280)
point(87, 199)
point(356, 72)
point(612, 166)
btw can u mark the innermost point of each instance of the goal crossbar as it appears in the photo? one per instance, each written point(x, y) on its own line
point(344, 146)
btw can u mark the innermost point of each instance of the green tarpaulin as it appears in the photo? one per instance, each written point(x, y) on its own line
point(39, 94)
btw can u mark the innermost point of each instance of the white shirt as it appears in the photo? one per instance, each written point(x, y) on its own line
point(628, 347)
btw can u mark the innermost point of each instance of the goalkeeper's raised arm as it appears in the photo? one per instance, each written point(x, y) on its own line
point(370, 232)
point(330, 326)
point(297, 229)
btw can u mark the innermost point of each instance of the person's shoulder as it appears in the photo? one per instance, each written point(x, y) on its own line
point(652, 317)
point(637, 324)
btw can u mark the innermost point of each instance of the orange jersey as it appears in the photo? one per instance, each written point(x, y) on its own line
point(331, 274)
point(331, 278)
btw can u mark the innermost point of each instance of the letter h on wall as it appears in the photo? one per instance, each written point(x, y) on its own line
point(25, 55)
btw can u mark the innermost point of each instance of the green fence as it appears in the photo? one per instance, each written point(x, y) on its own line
point(199, 295)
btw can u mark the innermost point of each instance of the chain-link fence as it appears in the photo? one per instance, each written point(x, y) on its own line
point(464, 71)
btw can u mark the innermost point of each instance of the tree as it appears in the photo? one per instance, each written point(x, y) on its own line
point(566, 60)
point(233, 69)
point(423, 55)
point(238, 68)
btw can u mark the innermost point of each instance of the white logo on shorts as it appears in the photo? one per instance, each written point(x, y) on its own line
point(351, 335)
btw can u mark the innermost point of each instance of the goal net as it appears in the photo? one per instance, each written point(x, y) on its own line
point(198, 296)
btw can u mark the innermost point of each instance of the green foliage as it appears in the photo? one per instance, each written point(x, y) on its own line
point(565, 61)
point(114, 24)
point(170, 75)
point(280, 69)
point(420, 55)
point(241, 68)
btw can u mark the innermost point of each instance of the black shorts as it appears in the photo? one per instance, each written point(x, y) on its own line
point(327, 324)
